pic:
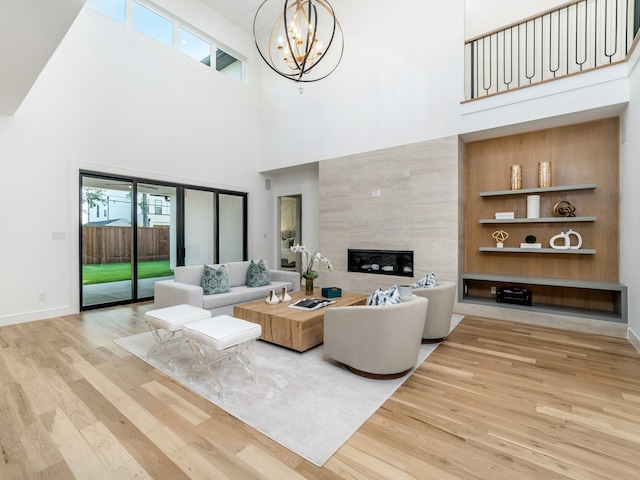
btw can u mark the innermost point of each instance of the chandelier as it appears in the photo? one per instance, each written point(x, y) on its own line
point(299, 43)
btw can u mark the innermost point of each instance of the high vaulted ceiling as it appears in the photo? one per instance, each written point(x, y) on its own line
point(31, 30)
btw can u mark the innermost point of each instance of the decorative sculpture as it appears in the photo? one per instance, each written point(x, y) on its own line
point(566, 241)
point(500, 236)
point(564, 209)
point(272, 299)
point(284, 296)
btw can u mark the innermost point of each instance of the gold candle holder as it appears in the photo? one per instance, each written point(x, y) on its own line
point(544, 174)
point(516, 177)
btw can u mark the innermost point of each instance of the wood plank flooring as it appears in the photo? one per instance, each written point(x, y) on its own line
point(496, 400)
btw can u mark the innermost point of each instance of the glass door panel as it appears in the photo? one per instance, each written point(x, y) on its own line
point(199, 227)
point(231, 227)
point(106, 241)
point(156, 242)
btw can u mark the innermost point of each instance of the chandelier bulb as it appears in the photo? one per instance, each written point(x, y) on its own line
point(300, 90)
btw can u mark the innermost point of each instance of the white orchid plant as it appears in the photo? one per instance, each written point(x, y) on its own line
point(310, 260)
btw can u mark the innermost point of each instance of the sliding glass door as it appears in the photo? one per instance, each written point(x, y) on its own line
point(134, 232)
point(231, 228)
point(155, 236)
point(215, 227)
point(199, 227)
point(106, 241)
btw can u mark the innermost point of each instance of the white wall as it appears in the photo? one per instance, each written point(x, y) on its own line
point(400, 81)
point(630, 199)
point(113, 100)
point(482, 16)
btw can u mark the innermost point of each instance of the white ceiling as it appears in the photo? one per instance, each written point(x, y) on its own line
point(239, 12)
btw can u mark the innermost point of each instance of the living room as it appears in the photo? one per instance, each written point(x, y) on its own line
point(113, 101)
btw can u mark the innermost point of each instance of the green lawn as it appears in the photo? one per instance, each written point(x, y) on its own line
point(114, 272)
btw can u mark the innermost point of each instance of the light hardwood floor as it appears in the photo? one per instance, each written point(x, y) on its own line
point(496, 400)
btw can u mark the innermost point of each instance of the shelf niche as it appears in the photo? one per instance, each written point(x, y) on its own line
point(580, 155)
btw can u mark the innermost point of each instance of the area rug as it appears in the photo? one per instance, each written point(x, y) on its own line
point(304, 401)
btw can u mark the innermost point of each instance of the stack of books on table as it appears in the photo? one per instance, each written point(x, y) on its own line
point(311, 304)
point(505, 216)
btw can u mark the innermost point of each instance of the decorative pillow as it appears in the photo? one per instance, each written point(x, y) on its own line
point(258, 274)
point(385, 297)
point(427, 281)
point(215, 280)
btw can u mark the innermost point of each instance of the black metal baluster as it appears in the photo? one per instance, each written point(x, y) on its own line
point(615, 34)
point(504, 57)
point(473, 70)
point(526, 52)
point(585, 36)
point(551, 46)
point(484, 65)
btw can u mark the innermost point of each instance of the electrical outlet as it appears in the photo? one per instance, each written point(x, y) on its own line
point(42, 297)
point(493, 290)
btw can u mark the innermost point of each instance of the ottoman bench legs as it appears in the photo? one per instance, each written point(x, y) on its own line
point(217, 339)
point(165, 325)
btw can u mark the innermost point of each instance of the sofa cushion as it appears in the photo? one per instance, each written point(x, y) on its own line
point(238, 273)
point(242, 294)
point(428, 280)
point(191, 275)
point(385, 297)
point(215, 279)
point(258, 274)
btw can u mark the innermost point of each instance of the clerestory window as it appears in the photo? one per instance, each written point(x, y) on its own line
point(174, 33)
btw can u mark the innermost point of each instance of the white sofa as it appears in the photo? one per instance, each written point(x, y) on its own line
point(186, 288)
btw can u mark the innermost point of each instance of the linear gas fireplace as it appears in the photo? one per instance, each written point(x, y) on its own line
point(381, 262)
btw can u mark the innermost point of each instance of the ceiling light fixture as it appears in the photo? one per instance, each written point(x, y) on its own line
point(299, 43)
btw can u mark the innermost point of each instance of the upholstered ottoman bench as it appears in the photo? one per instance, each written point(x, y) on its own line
point(165, 325)
point(217, 339)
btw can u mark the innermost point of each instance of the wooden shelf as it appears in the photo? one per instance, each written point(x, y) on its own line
point(614, 291)
point(529, 191)
point(579, 251)
point(540, 220)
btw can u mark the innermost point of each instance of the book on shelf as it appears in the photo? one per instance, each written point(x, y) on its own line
point(310, 304)
point(530, 245)
point(505, 215)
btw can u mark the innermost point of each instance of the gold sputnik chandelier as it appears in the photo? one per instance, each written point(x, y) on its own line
point(299, 43)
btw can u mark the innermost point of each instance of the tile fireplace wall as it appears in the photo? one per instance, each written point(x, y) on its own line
point(417, 208)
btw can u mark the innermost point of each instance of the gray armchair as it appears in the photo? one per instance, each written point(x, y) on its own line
point(381, 341)
point(441, 298)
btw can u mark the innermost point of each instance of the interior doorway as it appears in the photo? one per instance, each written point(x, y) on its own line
point(290, 221)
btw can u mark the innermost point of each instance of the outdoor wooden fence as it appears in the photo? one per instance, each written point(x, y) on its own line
point(113, 244)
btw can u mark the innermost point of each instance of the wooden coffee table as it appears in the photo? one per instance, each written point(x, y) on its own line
point(291, 327)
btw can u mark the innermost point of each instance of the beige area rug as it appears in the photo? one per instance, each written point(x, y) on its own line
point(304, 401)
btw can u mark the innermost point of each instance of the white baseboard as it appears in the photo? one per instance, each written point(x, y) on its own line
point(33, 316)
point(634, 339)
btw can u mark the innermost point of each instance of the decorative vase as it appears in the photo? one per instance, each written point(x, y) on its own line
point(516, 177)
point(544, 174)
point(308, 287)
point(405, 291)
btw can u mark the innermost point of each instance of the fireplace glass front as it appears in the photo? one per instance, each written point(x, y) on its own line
point(381, 262)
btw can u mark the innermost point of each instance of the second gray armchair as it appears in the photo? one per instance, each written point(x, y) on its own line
point(441, 298)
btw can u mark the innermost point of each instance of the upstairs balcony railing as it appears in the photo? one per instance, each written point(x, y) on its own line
point(576, 37)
